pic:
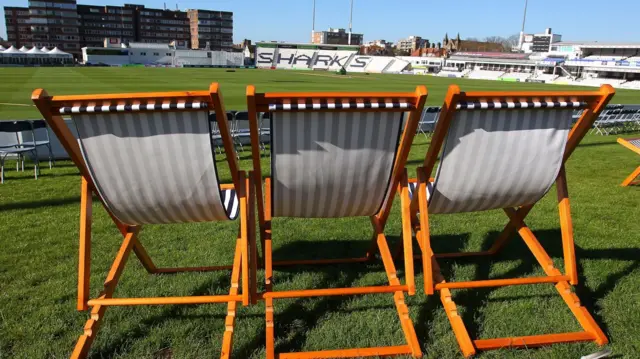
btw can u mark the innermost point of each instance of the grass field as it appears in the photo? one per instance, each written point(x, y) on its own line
point(39, 230)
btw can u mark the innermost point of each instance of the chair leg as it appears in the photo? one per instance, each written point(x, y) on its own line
point(51, 159)
point(629, 180)
point(97, 312)
point(412, 347)
point(229, 323)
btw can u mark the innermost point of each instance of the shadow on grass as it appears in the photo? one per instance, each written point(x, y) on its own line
point(295, 322)
point(551, 240)
point(38, 204)
point(145, 326)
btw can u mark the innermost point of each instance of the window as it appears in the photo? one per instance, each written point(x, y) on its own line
point(168, 54)
point(143, 54)
point(156, 54)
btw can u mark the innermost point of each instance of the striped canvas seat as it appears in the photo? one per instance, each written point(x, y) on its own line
point(504, 150)
point(332, 164)
point(500, 158)
point(153, 167)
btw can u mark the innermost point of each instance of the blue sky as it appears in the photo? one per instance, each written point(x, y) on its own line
point(290, 20)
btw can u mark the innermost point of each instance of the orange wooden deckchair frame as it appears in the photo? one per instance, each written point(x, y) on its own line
point(433, 279)
point(630, 180)
point(259, 102)
point(49, 106)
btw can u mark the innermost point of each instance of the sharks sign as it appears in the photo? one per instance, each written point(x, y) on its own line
point(266, 57)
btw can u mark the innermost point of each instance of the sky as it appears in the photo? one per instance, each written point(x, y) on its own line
point(291, 20)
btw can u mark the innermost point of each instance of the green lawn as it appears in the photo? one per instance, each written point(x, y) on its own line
point(39, 223)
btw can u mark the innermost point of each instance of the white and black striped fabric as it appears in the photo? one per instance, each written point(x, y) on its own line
point(479, 105)
point(413, 186)
point(332, 164)
point(635, 142)
point(155, 167)
point(497, 159)
point(137, 107)
point(339, 105)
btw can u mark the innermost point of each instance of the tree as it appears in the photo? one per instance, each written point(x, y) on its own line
point(511, 42)
point(471, 39)
point(439, 45)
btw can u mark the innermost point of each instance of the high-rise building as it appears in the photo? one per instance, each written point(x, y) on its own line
point(51, 23)
point(211, 30)
point(17, 20)
point(161, 26)
point(411, 43)
point(98, 22)
point(68, 26)
point(336, 37)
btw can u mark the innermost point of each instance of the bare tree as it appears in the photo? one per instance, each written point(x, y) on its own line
point(472, 39)
point(511, 42)
point(494, 39)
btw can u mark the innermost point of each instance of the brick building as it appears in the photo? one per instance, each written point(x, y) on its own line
point(211, 29)
point(70, 27)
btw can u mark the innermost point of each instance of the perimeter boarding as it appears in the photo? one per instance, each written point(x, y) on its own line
point(333, 155)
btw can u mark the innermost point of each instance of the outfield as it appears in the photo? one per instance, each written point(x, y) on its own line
point(39, 229)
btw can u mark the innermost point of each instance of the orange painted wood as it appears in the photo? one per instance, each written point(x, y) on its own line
point(202, 299)
point(630, 180)
point(84, 257)
point(226, 186)
point(229, 323)
point(254, 133)
point(251, 232)
point(407, 236)
point(335, 291)
point(404, 147)
point(138, 95)
point(502, 282)
point(628, 144)
point(143, 256)
point(349, 353)
point(225, 132)
point(92, 325)
point(532, 340)
point(566, 227)
point(244, 219)
point(425, 236)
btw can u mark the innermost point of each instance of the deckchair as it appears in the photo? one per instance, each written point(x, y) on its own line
point(337, 155)
point(131, 154)
point(634, 145)
point(504, 150)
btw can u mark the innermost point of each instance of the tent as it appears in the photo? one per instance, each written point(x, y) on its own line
point(59, 53)
point(35, 50)
point(13, 56)
point(11, 50)
point(44, 49)
point(24, 49)
point(2, 48)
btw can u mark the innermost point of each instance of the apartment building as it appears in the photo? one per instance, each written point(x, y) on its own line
point(98, 22)
point(51, 23)
point(70, 27)
point(211, 30)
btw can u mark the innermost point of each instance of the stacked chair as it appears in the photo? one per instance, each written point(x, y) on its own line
point(333, 155)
